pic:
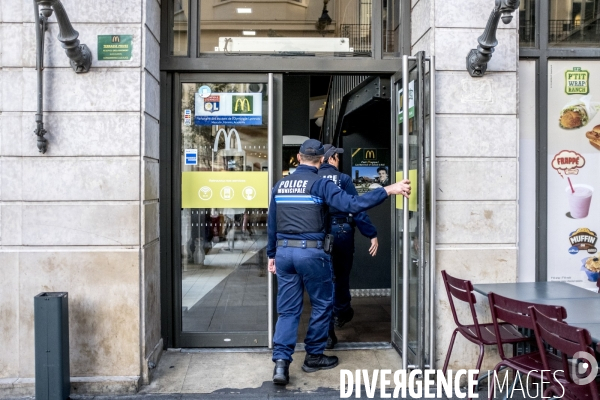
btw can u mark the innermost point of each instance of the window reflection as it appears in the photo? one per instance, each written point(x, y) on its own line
point(574, 23)
point(296, 27)
point(180, 27)
point(527, 23)
point(223, 247)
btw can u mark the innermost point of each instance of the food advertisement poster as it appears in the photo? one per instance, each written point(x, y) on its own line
point(370, 168)
point(573, 172)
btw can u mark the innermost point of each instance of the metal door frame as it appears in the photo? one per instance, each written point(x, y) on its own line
point(173, 270)
point(403, 77)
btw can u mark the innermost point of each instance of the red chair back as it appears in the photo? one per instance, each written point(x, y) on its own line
point(516, 312)
point(461, 290)
point(562, 337)
point(598, 283)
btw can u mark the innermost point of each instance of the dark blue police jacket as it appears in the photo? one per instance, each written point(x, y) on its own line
point(329, 193)
point(362, 220)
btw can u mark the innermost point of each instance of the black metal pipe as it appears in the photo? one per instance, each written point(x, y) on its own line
point(40, 25)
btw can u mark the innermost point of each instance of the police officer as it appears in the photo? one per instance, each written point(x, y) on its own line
point(342, 228)
point(296, 235)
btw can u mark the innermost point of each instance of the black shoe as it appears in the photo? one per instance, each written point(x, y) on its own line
point(344, 317)
point(331, 340)
point(315, 362)
point(281, 372)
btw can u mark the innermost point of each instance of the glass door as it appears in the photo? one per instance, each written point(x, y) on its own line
point(223, 289)
point(413, 232)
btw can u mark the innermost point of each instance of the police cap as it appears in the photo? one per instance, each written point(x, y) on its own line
point(312, 147)
point(330, 151)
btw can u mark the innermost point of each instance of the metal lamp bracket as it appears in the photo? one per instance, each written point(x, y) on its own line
point(79, 54)
point(477, 59)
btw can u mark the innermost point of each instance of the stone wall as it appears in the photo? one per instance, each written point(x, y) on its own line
point(82, 218)
point(477, 137)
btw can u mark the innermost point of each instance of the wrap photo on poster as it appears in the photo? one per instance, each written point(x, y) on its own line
point(228, 108)
point(370, 168)
point(573, 171)
point(207, 189)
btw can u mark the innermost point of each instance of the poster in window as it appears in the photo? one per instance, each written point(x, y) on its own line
point(370, 168)
point(573, 172)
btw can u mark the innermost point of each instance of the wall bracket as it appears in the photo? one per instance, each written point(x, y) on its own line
point(477, 59)
point(79, 54)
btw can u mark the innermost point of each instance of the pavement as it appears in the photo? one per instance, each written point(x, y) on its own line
point(204, 374)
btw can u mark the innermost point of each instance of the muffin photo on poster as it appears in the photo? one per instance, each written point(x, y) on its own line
point(573, 165)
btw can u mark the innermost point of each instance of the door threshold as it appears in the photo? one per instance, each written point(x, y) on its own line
point(346, 346)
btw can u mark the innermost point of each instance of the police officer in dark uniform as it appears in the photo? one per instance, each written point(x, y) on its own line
point(296, 240)
point(342, 228)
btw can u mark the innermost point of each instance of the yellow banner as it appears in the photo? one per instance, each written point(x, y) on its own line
point(225, 189)
point(412, 199)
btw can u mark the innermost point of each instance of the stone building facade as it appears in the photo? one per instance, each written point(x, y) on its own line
point(84, 217)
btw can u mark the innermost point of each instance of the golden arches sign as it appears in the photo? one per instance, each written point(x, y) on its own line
point(370, 155)
point(116, 39)
point(243, 103)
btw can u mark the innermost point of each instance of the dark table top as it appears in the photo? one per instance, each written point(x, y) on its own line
point(582, 305)
point(529, 291)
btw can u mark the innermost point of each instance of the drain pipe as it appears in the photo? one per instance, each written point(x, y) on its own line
point(79, 54)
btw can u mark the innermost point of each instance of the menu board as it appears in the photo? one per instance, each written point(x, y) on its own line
point(573, 172)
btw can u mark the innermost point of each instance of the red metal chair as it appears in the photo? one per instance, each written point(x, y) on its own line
point(568, 340)
point(481, 334)
point(517, 313)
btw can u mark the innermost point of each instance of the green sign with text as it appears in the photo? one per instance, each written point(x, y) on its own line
point(114, 47)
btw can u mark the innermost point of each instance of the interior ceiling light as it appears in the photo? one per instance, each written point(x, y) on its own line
point(249, 33)
point(244, 10)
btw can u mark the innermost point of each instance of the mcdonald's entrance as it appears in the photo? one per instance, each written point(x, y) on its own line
point(230, 138)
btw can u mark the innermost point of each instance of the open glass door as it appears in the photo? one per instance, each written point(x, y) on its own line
point(223, 290)
point(414, 223)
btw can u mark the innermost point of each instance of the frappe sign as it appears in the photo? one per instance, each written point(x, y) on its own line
point(568, 162)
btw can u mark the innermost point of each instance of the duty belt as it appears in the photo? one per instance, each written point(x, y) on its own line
point(343, 220)
point(300, 243)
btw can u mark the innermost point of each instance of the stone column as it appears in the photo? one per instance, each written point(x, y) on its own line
point(477, 136)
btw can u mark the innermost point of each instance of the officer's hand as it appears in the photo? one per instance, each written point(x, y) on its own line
point(272, 266)
point(374, 247)
point(402, 187)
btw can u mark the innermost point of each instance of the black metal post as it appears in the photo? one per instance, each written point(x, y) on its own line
point(51, 324)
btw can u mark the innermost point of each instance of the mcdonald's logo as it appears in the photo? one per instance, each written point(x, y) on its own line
point(243, 104)
point(370, 154)
point(116, 39)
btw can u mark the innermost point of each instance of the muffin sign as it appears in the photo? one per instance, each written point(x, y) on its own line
point(583, 239)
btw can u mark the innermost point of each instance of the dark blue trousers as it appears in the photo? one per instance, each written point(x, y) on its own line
point(298, 269)
point(342, 259)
